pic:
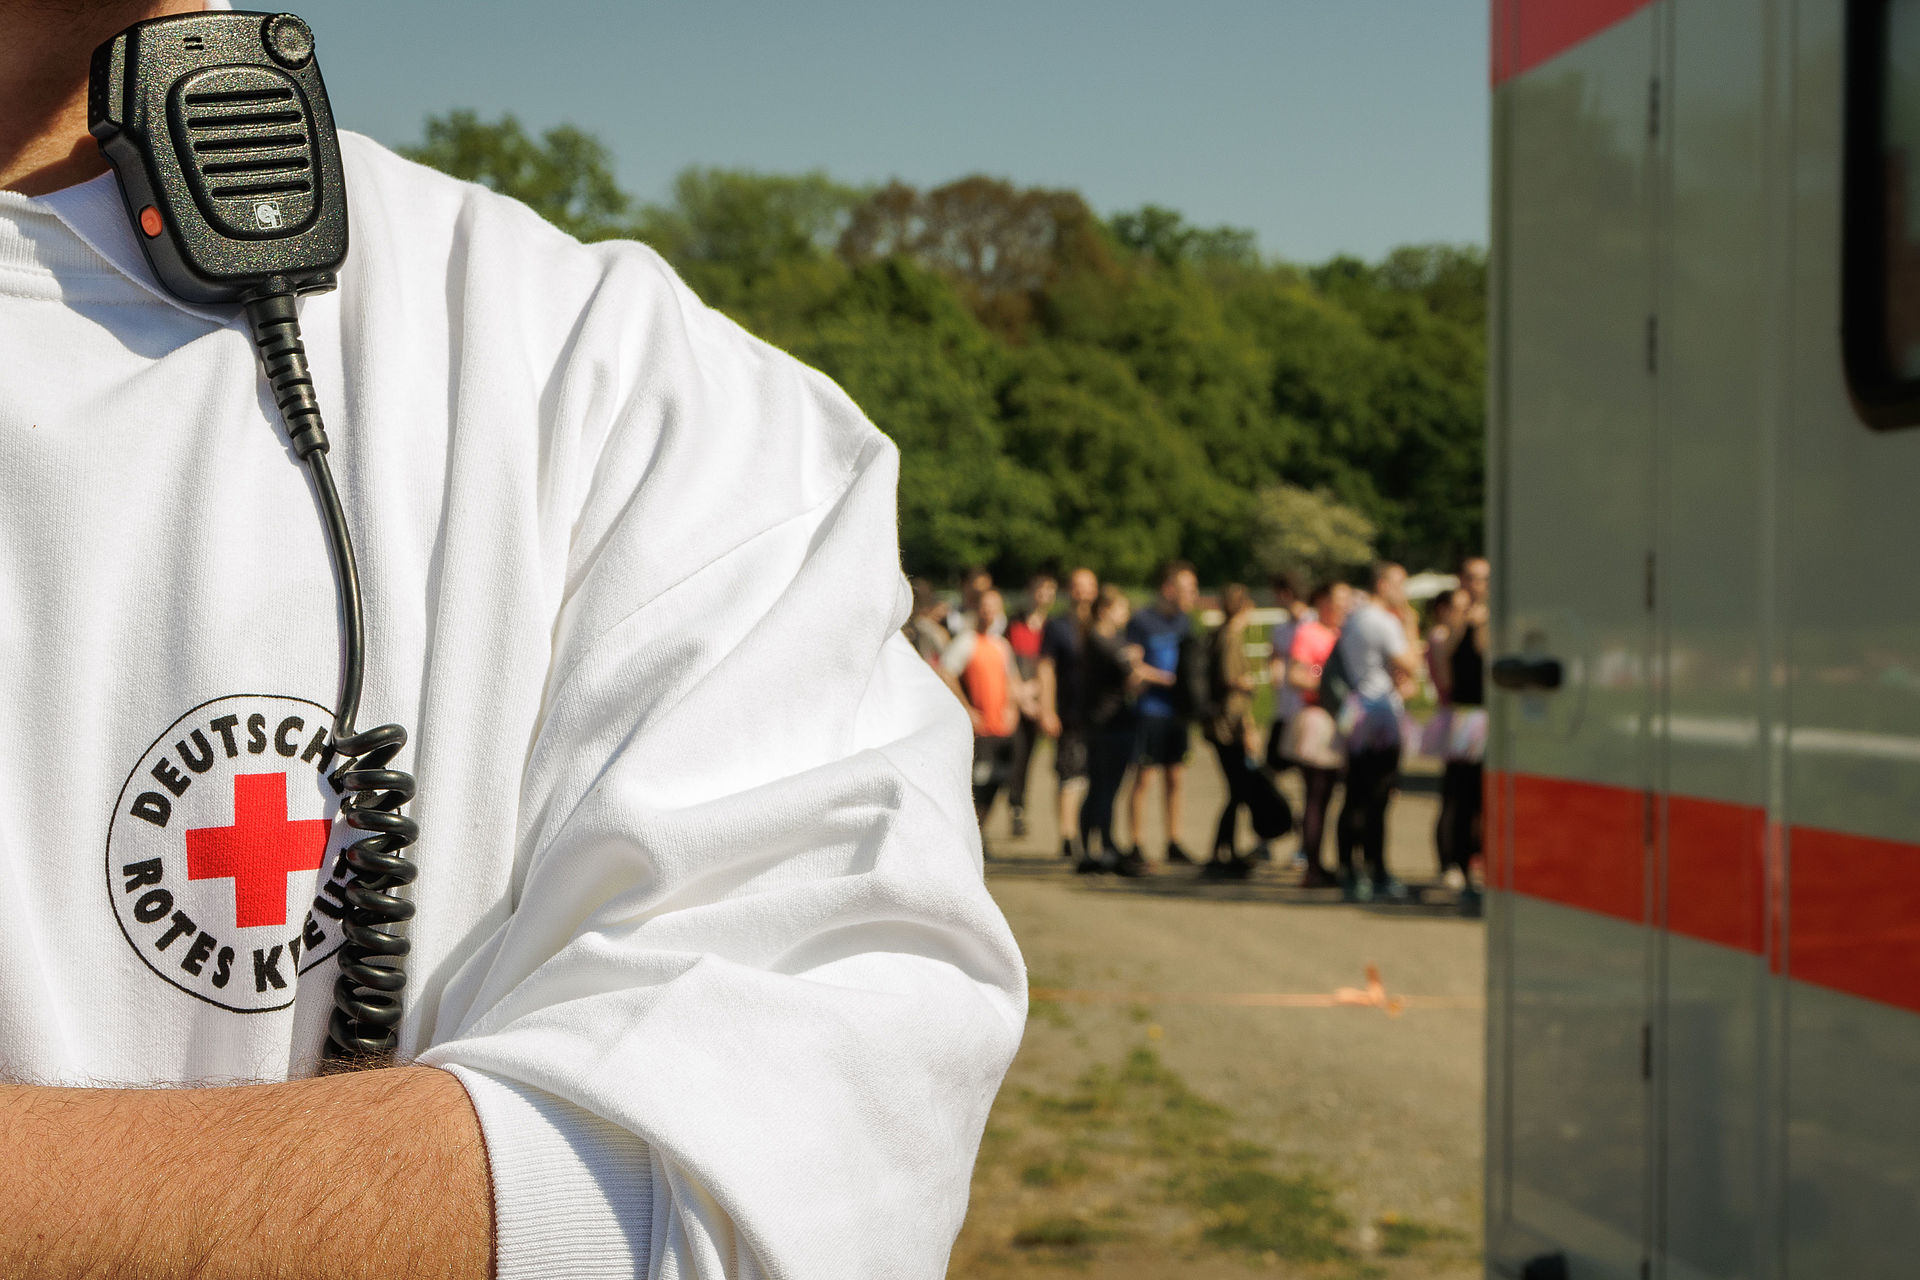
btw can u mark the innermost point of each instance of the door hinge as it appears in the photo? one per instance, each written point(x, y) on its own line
point(1647, 581)
point(1653, 107)
point(1646, 1051)
point(1653, 344)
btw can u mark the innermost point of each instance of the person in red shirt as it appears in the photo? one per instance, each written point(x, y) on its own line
point(1024, 633)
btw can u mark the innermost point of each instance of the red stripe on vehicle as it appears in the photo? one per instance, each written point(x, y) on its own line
point(1527, 33)
point(1853, 921)
point(1716, 877)
point(1578, 844)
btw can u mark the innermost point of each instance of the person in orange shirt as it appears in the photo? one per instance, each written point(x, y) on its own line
point(980, 666)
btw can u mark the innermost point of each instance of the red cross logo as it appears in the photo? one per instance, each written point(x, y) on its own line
point(259, 851)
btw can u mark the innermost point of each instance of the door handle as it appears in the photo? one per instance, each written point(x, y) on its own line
point(1523, 674)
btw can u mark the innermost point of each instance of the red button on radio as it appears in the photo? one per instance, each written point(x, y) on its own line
point(150, 222)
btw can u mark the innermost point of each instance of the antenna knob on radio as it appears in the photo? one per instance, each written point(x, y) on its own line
point(289, 40)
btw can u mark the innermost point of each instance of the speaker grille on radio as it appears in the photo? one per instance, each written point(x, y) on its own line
point(245, 140)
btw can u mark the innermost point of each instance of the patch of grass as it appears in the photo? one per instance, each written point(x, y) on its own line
point(1055, 1172)
point(1063, 1234)
point(1139, 1012)
point(1135, 1133)
point(995, 1140)
point(1051, 1012)
point(1097, 1098)
point(1402, 1236)
point(1290, 1215)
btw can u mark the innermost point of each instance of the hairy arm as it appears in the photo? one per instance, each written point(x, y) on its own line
point(366, 1174)
point(959, 691)
point(1405, 665)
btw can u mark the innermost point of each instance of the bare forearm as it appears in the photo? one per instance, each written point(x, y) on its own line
point(368, 1174)
point(953, 685)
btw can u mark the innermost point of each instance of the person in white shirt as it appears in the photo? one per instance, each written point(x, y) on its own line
point(1380, 655)
point(704, 978)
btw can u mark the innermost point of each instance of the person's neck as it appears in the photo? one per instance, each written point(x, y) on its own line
point(45, 52)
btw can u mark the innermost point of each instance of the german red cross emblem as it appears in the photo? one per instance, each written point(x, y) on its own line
point(222, 857)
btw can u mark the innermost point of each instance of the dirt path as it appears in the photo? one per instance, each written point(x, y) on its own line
point(1180, 1107)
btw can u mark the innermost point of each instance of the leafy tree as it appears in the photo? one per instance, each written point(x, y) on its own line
point(748, 223)
point(565, 176)
point(927, 372)
point(1451, 279)
point(1000, 245)
point(1164, 236)
point(1306, 532)
point(1065, 389)
point(1129, 489)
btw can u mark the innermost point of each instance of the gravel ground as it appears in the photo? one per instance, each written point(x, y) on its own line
point(1383, 1108)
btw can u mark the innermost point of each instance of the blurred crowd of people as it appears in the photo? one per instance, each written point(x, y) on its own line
point(1120, 692)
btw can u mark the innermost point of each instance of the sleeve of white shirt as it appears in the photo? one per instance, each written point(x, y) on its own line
point(752, 1002)
point(1393, 634)
point(958, 654)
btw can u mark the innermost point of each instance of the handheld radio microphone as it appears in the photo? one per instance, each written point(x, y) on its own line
point(218, 130)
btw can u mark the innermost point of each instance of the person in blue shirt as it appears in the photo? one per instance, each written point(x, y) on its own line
point(1161, 742)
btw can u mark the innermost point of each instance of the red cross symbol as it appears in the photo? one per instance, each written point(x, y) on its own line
point(259, 851)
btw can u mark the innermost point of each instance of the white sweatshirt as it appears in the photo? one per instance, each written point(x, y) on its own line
point(701, 922)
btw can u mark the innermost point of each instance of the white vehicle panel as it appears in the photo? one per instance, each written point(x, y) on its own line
point(1704, 1017)
point(1572, 463)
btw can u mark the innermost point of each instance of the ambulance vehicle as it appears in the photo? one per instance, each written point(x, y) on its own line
point(1703, 823)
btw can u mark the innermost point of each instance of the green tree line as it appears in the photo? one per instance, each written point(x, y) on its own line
point(1066, 388)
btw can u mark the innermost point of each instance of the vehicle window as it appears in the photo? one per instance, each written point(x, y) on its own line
point(1882, 251)
point(1900, 186)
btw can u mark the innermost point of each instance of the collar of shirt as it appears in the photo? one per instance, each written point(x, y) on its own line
point(96, 215)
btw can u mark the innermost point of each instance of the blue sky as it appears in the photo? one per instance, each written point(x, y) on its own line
point(1326, 126)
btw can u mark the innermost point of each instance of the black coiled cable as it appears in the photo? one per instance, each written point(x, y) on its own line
point(369, 995)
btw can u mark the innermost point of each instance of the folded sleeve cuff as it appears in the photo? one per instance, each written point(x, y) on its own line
point(572, 1193)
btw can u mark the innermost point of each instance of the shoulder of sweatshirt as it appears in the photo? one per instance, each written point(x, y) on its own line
point(638, 385)
point(419, 222)
point(498, 267)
